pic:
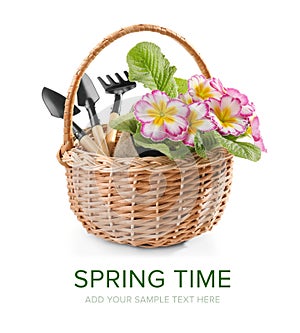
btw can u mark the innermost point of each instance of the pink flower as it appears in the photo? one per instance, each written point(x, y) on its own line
point(202, 89)
point(226, 113)
point(258, 141)
point(247, 107)
point(198, 120)
point(161, 116)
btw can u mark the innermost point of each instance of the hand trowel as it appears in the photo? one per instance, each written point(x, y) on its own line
point(55, 103)
point(87, 96)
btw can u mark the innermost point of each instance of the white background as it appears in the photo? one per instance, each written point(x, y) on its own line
point(250, 45)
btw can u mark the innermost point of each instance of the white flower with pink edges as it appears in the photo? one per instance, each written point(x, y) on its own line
point(162, 117)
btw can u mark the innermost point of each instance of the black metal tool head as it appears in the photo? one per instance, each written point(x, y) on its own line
point(117, 87)
point(86, 91)
point(55, 103)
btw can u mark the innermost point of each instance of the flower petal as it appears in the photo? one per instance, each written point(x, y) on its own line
point(143, 111)
point(200, 88)
point(158, 96)
point(189, 140)
point(236, 94)
point(179, 108)
point(176, 128)
point(231, 104)
point(255, 128)
point(195, 80)
point(205, 125)
point(218, 85)
point(156, 133)
point(255, 131)
point(248, 110)
point(260, 144)
point(202, 109)
point(235, 126)
point(214, 104)
point(186, 98)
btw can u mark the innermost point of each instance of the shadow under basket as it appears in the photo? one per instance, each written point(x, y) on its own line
point(149, 201)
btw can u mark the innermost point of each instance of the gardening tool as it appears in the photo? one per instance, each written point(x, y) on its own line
point(117, 88)
point(55, 103)
point(87, 96)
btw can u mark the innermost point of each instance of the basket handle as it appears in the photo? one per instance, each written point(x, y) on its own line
point(70, 99)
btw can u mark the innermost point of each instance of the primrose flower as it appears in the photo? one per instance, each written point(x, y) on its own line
point(258, 141)
point(162, 117)
point(226, 113)
point(198, 120)
point(247, 107)
point(202, 89)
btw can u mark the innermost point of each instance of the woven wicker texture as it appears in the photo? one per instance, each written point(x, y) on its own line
point(146, 202)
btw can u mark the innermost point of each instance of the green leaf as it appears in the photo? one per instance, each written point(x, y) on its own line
point(182, 85)
point(232, 137)
point(178, 149)
point(199, 147)
point(240, 149)
point(149, 66)
point(210, 140)
point(173, 150)
point(126, 123)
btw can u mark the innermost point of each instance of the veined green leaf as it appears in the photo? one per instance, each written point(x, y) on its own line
point(149, 66)
point(240, 149)
point(182, 85)
point(210, 139)
point(199, 147)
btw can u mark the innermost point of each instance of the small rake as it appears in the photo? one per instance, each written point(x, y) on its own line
point(118, 89)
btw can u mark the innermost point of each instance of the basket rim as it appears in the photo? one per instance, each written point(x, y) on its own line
point(77, 157)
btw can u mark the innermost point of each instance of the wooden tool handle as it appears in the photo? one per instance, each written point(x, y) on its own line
point(99, 136)
point(111, 134)
point(70, 100)
point(89, 145)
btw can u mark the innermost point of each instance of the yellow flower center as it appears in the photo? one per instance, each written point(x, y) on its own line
point(203, 92)
point(194, 123)
point(162, 113)
point(225, 117)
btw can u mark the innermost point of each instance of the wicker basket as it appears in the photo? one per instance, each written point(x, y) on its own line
point(145, 202)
